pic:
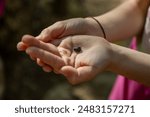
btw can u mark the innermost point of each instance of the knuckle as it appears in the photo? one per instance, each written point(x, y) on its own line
point(59, 23)
point(45, 32)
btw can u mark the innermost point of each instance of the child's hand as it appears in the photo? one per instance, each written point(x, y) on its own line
point(29, 40)
point(75, 26)
point(79, 58)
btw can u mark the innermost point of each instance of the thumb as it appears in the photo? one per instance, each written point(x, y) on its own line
point(52, 32)
point(70, 73)
point(76, 76)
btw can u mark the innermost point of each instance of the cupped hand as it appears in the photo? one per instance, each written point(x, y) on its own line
point(79, 58)
point(60, 29)
point(75, 26)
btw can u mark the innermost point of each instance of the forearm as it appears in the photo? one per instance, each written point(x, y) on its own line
point(130, 63)
point(124, 21)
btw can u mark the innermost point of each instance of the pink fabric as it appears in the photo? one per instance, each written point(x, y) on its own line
point(125, 89)
point(2, 4)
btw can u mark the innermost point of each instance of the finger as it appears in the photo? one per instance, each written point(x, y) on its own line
point(86, 73)
point(42, 64)
point(51, 59)
point(52, 32)
point(56, 42)
point(47, 69)
point(70, 73)
point(32, 58)
point(39, 62)
point(76, 76)
point(31, 41)
point(21, 46)
point(38, 37)
point(56, 72)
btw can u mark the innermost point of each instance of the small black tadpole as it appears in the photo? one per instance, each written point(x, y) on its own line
point(77, 49)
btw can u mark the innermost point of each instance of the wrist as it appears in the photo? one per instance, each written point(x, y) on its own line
point(117, 57)
point(94, 28)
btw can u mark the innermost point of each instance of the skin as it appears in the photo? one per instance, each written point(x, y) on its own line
point(97, 55)
point(77, 67)
point(132, 12)
point(125, 21)
point(131, 63)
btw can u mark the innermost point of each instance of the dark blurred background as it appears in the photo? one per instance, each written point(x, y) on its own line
point(20, 77)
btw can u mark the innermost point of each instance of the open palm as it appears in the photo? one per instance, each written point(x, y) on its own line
point(79, 58)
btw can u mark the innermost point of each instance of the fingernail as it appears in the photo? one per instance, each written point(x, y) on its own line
point(19, 47)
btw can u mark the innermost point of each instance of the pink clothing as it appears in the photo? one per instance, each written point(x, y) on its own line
point(125, 89)
point(2, 4)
